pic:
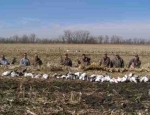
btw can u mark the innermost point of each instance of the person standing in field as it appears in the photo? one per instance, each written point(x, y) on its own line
point(105, 61)
point(135, 62)
point(85, 60)
point(117, 62)
point(37, 61)
point(3, 61)
point(67, 61)
point(25, 61)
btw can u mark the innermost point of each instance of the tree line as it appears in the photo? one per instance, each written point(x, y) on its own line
point(75, 37)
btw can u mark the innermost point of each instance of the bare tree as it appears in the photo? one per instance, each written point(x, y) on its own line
point(32, 38)
point(106, 40)
point(80, 36)
point(24, 39)
point(16, 38)
point(100, 39)
point(68, 36)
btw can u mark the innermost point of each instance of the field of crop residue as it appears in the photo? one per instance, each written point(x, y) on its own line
point(27, 96)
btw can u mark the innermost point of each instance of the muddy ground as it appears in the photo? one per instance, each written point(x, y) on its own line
point(21, 96)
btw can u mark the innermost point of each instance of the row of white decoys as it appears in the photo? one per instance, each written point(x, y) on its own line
point(25, 74)
point(83, 76)
point(103, 78)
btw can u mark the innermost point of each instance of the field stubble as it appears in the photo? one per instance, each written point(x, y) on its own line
point(44, 97)
point(50, 53)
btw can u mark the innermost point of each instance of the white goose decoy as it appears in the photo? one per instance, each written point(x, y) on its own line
point(73, 75)
point(92, 78)
point(136, 76)
point(124, 79)
point(38, 76)
point(107, 78)
point(83, 76)
point(103, 79)
point(45, 76)
point(98, 78)
point(14, 74)
point(119, 79)
point(28, 75)
point(6, 73)
point(69, 75)
point(144, 79)
point(93, 75)
point(127, 78)
point(113, 80)
point(133, 79)
point(63, 76)
point(77, 74)
point(58, 76)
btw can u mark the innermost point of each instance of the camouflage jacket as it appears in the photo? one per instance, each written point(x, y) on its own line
point(105, 62)
point(37, 62)
point(67, 62)
point(117, 63)
point(86, 61)
point(134, 63)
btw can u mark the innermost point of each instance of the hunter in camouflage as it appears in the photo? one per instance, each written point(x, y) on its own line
point(105, 61)
point(135, 62)
point(85, 60)
point(117, 62)
point(67, 61)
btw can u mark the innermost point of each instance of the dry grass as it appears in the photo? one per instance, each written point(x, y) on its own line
point(44, 97)
point(50, 53)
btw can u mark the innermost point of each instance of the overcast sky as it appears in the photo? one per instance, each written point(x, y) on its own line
point(49, 18)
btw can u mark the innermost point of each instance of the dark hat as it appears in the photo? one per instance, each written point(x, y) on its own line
point(83, 54)
point(25, 54)
point(66, 54)
point(136, 55)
